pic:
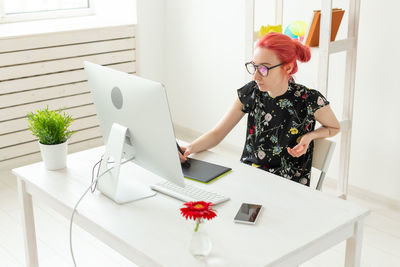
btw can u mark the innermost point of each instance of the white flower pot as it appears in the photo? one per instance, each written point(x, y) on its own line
point(54, 156)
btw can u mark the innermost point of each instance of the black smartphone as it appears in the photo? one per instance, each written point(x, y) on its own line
point(248, 213)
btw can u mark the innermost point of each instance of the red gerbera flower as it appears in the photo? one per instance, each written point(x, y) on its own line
point(199, 209)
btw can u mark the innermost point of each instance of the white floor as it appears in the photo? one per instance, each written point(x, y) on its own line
point(381, 245)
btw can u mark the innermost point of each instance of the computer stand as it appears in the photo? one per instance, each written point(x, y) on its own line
point(119, 188)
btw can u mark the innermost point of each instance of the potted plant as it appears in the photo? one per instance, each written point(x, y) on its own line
point(51, 128)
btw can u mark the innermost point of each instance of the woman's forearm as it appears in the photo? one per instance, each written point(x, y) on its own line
point(330, 124)
point(323, 132)
point(216, 135)
point(204, 142)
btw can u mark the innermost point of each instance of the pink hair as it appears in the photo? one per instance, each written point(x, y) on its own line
point(287, 49)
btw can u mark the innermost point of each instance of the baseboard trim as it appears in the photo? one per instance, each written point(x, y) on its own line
point(364, 194)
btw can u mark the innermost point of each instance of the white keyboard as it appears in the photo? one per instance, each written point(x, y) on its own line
point(188, 193)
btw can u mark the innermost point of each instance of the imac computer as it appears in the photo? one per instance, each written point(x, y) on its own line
point(136, 125)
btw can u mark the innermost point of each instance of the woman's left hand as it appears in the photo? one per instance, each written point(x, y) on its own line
point(300, 148)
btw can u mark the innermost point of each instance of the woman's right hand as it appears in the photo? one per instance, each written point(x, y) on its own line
point(181, 156)
point(186, 152)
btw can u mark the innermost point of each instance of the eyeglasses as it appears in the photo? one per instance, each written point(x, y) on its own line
point(262, 69)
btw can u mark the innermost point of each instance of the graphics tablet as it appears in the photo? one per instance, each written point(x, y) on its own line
point(203, 171)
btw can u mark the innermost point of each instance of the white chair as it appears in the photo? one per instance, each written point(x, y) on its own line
point(322, 155)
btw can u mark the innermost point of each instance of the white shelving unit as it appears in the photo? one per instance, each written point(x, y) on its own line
point(326, 48)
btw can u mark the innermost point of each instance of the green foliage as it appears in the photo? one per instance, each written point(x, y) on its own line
point(51, 127)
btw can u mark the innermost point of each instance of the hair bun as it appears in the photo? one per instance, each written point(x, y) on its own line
point(286, 49)
point(303, 52)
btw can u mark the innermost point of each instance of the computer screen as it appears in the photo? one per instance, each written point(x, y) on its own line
point(140, 106)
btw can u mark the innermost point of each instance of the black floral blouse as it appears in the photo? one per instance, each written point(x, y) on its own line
point(277, 123)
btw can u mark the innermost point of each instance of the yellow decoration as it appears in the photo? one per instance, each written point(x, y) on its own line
point(255, 165)
point(294, 130)
point(270, 28)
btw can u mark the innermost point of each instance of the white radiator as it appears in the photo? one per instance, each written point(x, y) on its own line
point(47, 70)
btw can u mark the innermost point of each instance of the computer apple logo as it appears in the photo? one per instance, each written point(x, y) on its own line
point(116, 98)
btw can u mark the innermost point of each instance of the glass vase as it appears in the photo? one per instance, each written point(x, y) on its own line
point(200, 244)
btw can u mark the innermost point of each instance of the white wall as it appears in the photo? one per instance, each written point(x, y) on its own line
point(204, 60)
point(150, 39)
point(204, 56)
point(375, 157)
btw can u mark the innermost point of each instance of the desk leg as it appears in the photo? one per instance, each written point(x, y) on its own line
point(353, 246)
point(28, 222)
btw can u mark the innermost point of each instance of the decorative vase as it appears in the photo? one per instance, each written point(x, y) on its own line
point(54, 156)
point(200, 244)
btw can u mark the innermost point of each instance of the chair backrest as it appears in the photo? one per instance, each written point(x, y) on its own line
point(322, 155)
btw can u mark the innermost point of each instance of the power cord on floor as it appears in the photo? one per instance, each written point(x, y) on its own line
point(94, 182)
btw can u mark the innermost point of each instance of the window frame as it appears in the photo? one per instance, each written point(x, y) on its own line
point(42, 15)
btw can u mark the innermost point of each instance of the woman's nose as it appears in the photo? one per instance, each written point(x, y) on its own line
point(257, 76)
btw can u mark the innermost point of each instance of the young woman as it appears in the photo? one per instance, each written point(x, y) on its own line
point(281, 113)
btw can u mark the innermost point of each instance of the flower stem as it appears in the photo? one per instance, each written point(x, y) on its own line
point(197, 225)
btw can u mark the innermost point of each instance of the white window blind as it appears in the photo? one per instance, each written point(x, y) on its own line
point(20, 10)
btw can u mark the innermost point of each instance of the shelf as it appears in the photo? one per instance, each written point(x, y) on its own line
point(338, 46)
point(342, 45)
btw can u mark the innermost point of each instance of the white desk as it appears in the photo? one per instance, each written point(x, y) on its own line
point(296, 223)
